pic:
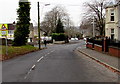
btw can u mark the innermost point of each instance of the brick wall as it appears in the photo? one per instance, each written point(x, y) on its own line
point(98, 48)
point(89, 45)
point(114, 51)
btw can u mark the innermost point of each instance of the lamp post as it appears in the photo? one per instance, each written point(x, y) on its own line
point(39, 24)
point(39, 27)
point(93, 26)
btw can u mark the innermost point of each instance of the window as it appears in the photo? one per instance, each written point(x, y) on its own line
point(112, 33)
point(112, 15)
point(9, 32)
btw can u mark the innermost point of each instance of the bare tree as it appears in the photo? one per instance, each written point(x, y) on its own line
point(117, 1)
point(51, 18)
point(96, 9)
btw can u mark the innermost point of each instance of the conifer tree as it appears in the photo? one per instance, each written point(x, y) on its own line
point(22, 27)
point(59, 27)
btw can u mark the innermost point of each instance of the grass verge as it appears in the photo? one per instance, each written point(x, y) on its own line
point(14, 51)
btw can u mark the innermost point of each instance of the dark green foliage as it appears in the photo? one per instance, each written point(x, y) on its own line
point(59, 36)
point(22, 27)
point(59, 33)
point(59, 27)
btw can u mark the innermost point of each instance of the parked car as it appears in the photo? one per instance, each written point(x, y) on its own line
point(48, 39)
point(74, 39)
point(84, 39)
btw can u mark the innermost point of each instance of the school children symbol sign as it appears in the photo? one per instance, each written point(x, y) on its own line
point(3, 30)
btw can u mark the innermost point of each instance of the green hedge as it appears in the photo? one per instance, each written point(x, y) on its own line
point(59, 36)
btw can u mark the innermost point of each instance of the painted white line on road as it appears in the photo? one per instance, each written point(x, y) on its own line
point(52, 51)
point(40, 59)
point(33, 67)
point(25, 77)
point(48, 53)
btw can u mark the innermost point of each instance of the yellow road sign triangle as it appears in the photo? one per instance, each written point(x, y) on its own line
point(3, 26)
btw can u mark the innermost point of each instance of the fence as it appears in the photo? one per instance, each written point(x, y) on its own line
point(114, 43)
point(3, 41)
point(104, 45)
point(109, 42)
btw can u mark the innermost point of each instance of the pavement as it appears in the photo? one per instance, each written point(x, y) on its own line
point(107, 60)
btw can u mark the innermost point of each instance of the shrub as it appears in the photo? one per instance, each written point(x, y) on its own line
point(59, 36)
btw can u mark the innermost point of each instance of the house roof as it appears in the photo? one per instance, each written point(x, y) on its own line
point(113, 5)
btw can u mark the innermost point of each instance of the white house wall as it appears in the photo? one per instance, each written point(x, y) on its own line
point(113, 24)
point(119, 21)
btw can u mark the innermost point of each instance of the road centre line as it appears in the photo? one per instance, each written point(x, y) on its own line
point(33, 67)
point(40, 59)
point(29, 71)
point(50, 52)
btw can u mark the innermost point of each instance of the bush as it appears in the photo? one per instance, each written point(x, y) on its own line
point(59, 36)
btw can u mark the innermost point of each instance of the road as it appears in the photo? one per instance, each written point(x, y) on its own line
point(57, 63)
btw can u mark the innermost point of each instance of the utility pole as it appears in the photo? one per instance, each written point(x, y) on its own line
point(39, 28)
point(93, 26)
point(6, 46)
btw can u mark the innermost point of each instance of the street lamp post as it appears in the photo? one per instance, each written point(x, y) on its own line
point(39, 24)
point(6, 46)
point(39, 27)
point(93, 26)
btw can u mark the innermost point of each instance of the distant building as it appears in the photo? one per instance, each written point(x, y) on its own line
point(11, 29)
point(112, 28)
point(7, 30)
point(31, 34)
point(36, 32)
point(86, 32)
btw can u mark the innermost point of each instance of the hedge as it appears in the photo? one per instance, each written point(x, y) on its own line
point(59, 36)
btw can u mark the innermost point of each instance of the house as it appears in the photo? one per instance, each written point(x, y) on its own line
point(7, 30)
point(11, 29)
point(112, 25)
point(36, 32)
point(31, 34)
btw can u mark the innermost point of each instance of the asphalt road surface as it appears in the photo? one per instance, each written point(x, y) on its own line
point(57, 63)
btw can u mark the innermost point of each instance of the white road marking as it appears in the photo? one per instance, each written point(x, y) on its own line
point(40, 59)
point(33, 67)
point(29, 71)
point(53, 51)
point(37, 62)
point(50, 52)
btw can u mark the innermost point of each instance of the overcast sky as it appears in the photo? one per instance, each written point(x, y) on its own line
point(74, 8)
